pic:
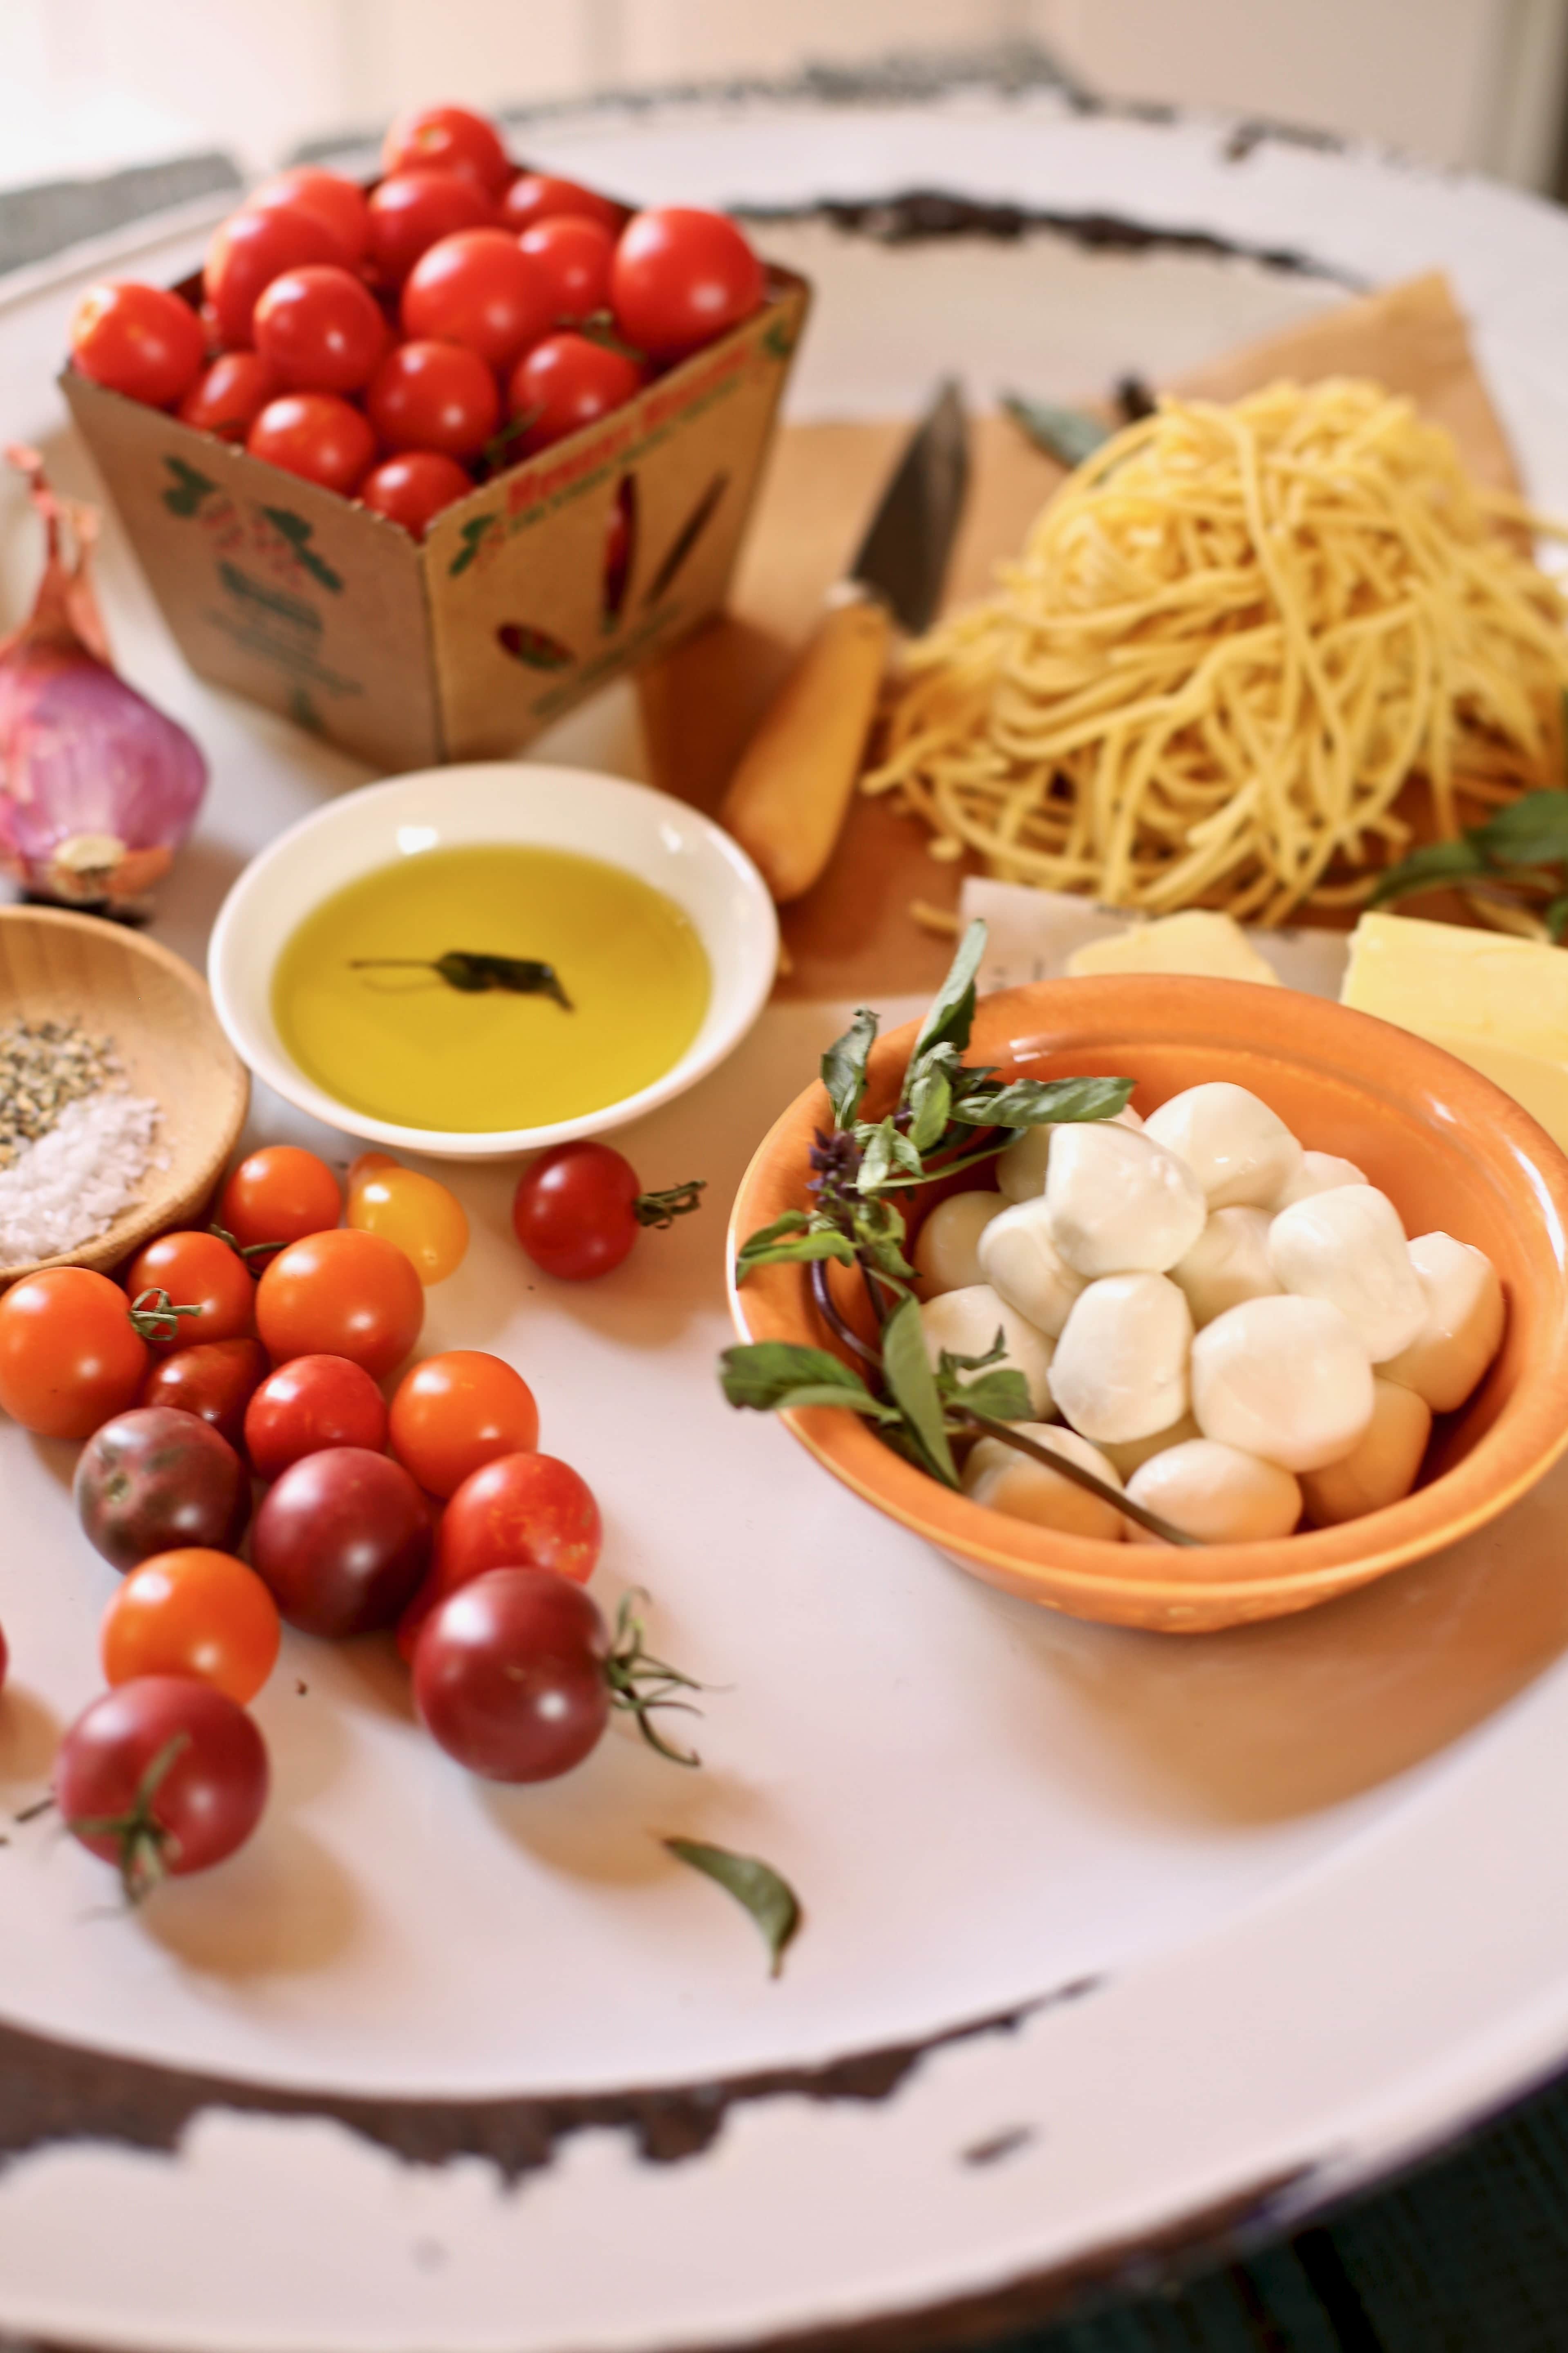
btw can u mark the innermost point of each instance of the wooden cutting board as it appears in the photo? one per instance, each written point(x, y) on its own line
point(855, 931)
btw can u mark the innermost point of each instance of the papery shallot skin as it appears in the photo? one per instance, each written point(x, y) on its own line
point(98, 788)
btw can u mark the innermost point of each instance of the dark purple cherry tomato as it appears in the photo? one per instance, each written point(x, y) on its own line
point(509, 1676)
point(162, 1776)
point(342, 1540)
point(214, 1380)
point(155, 1480)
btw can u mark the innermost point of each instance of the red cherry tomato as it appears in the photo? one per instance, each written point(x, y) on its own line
point(447, 138)
point(454, 1413)
point(342, 1542)
point(509, 1675)
point(321, 328)
point(153, 1480)
point(194, 1270)
point(414, 488)
point(479, 289)
point(567, 382)
point(521, 1510)
point(680, 278)
point(68, 1355)
point(316, 435)
point(216, 1380)
point(164, 1775)
point(309, 1405)
point(193, 1613)
point(434, 395)
point(334, 200)
point(535, 197)
point(574, 1210)
point(278, 1195)
point(340, 1294)
point(248, 251)
point(575, 254)
point(138, 340)
point(229, 395)
point(412, 211)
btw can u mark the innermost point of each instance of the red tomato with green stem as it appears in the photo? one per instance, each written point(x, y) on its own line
point(479, 289)
point(309, 1405)
point(535, 197)
point(340, 1294)
point(156, 1479)
point(277, 1196)
point(338, 202)
point(216, 1380)
point(434, 395)
point(567, 382)
point(321, 328)
point(447, 138)
point(412, 211)
point(456, 1412)
point(414, 489)
point(229, 395)
point(163, 1777)
point(680, 278)
point(182, 1272)
point(318, 436)
point(248, 251)
point(193, 1613)
point(342, 1541)
point(69, 1356)
point(141, 341)
point(579, 1208)
point(575, 254)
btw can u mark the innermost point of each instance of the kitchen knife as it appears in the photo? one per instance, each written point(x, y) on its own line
point(791, 788)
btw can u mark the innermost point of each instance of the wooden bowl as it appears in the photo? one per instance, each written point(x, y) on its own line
point(59, 967)
point(1452, 1151)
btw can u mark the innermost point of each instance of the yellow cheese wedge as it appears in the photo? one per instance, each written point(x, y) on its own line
point(1197, 941)
point(1499, 1003)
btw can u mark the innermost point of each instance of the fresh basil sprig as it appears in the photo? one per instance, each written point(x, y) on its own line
point(1512, 856)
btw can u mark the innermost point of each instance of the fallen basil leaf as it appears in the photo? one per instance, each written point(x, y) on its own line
point(1555, 918)
point(911, 1384)
point(1034, 1102)
point(766, 1374)
point(844, 1067)
point(754, 1885)
point(1067, 435)
point(1531, 831)
point(1431, 868)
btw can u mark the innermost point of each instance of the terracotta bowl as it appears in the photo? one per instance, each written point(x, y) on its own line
point(1451, 1151)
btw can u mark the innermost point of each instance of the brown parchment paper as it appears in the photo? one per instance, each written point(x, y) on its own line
point(854, 931)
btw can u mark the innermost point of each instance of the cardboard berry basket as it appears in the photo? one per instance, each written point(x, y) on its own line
point(566, 570)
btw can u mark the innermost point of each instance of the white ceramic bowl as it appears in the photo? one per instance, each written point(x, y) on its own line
point(647, 834)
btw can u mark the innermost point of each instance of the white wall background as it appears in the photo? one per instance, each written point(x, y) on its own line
point(86, 85)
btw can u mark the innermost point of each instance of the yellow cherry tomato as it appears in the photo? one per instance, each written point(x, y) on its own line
point(412, 1211)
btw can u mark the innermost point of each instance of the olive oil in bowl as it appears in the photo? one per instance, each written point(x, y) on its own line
point(363, 1009)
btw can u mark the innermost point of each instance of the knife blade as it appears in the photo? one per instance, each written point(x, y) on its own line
point(791, 788)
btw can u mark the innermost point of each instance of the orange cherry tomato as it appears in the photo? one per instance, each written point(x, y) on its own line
point(340, 1294)
point(194, 1270)
point(69, 1359)
point(278, 1195)
point(421, 1217)
point(456, 1412)
point(192, 1612)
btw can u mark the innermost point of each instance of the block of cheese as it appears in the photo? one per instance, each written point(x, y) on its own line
point(1498, 1003)
point(1196, 941)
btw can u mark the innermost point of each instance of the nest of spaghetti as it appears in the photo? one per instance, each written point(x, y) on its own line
point(1249, 655)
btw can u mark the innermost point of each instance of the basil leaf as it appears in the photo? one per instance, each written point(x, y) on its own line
point(793, 1249)
point(1067, 435)
point(951, 1013)
point(950, 1363)
point(930, 1106)
point(844, 1067)
point(1004, 1395)
point(754, 1885)
point(880, 1231)
point(887, 1153)
point(1431, 868)
point(1555, 918)
point(767, 1374)
point(912, 1385)
point(1531, 831)
point(1034, 1103)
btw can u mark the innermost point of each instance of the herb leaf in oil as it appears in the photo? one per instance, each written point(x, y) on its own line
point(474, 973)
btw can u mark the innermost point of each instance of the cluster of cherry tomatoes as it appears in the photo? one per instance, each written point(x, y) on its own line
point(390, 344)
point(253, 1352)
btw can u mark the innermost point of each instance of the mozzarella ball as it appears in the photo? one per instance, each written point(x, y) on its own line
point(1120, 1366)
point(1319, 1172)
point(1348, 1247)
point(1382, 1468)
point(1021, 1169)
point(1133, 1452)
point(1119, 1204)
point(1228, 1264)
point(998, 1476)
point(965, 1323)
point(1462, 1328)
point(1019, 1259)
point(1283, 1378)
point(946, 1253)
point(1216, 1493)
point(1239, 1151)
